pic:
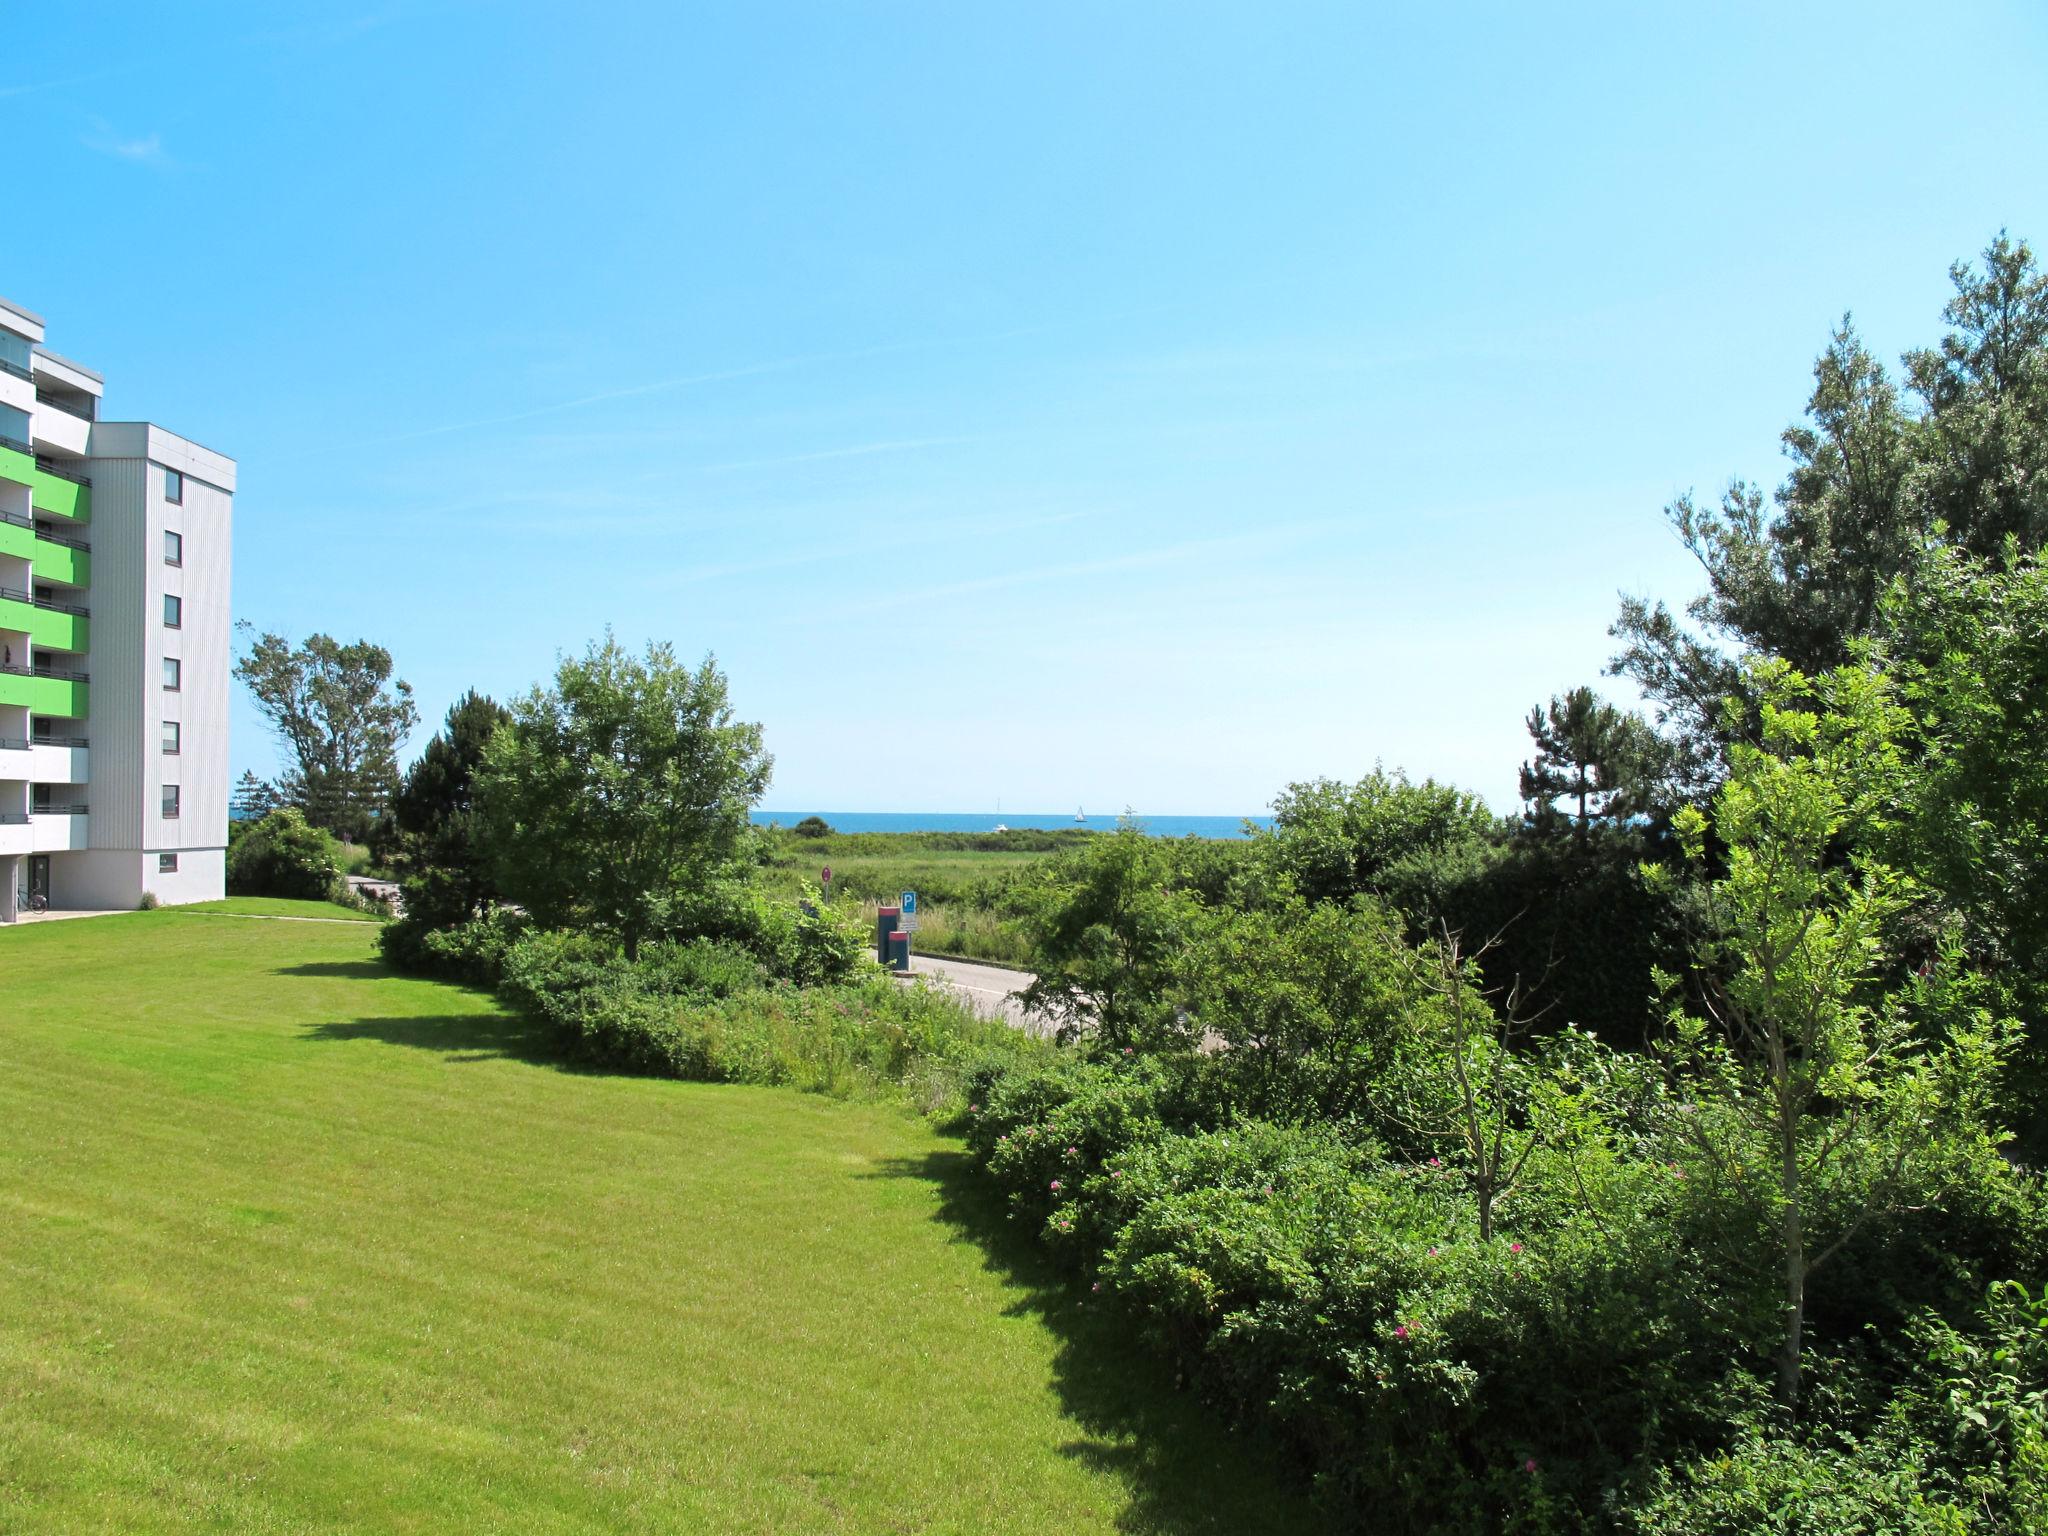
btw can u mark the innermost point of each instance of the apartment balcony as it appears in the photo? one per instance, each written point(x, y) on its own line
point(60, 829)
point(56, 760)
point(59, 488)
point(17, 835)
point(58, 429)
point(51, 624)
point(46, 691)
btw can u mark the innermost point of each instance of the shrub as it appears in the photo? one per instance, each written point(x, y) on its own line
point(282, 855)
point(812, 826)
point(473, 952)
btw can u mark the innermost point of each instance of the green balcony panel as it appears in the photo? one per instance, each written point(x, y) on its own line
point(46, 626)
point(53, 696)
point(61, 631)
point(52, 494)
point(53, 562)
point(59, 562)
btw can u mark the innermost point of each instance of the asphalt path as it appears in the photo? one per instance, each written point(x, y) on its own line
point(990, 990)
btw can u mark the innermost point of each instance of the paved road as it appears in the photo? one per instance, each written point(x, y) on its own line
point(990, 990)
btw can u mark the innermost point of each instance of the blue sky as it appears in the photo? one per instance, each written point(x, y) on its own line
point(1073, 404)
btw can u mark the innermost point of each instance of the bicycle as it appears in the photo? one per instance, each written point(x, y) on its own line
point(38, 902)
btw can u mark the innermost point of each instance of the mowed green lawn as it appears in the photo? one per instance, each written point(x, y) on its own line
point(288, 1243)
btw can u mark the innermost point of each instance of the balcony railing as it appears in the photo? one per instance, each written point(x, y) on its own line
point(15, 443)
point(63, 469)
point(9, 365)
point(17, 519)
point(59, 741)
point(45, 602)
point(69, 406)
point(13, 819)
point(48, 533)
point(9, 744)
point(51, 808)
point(57, 673)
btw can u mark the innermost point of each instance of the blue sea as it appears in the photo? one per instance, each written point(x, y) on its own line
point(947, 821)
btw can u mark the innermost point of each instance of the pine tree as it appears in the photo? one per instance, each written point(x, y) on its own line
point(1594, 757)
point(253, 798)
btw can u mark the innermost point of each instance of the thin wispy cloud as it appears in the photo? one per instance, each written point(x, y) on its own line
point(1080, 570)
point(858, 451)
point(32, 87)
point(146, 149)
point(726, 375)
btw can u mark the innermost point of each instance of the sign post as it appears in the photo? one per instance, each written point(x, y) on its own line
point(825, 883)
point(910, 911)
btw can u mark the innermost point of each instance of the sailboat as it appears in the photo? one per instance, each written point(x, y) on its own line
point(1079, 814)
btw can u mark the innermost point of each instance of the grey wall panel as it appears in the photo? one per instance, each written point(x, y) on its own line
point(120, 644)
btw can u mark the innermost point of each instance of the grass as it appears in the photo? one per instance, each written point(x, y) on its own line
point(278, 906)
point(961, 881)
point(292, 1244)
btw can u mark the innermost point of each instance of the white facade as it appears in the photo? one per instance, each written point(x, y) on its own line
point(115, 645)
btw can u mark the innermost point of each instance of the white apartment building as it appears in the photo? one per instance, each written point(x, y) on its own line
point(115, 646)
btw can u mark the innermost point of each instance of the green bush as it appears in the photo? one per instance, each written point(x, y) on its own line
point(710, 1009)
point(282, 855)
point(473, 952)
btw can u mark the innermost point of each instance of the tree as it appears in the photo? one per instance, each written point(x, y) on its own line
point(1984, 463)
point(1814, 1069)
point(282, 855)
point(1107, 932)
point(436, 838)
point(618, 795)
point(337, 712)
point(1874, 481)
point(1598, 759)
point(1333, 841)
point(1969, 645)
point(253, 798)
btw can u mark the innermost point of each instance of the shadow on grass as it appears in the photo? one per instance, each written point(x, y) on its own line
point(344, 970)
point(456, 1036)
point(1186, 1470)
point(492, 1034)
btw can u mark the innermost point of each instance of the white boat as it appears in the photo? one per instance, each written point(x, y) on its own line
point(1079, 815)
point(1000, 827)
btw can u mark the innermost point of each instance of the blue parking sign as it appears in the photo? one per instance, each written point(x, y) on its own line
point(910, 903)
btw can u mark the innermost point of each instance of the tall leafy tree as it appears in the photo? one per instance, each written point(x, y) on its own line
point(1838, 1097)
point(619, 795)
point(1969, 644)
point(433, 818)
point(342, 717)
point(1108, 930)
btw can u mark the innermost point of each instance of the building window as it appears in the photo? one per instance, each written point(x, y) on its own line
point(174, 548)
point(170, 802)
point(171, 737)
point(174, 611)
point(14, 354)
point(174, 487)
point(167, 863)
point(171, 670)
point(14, 426)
